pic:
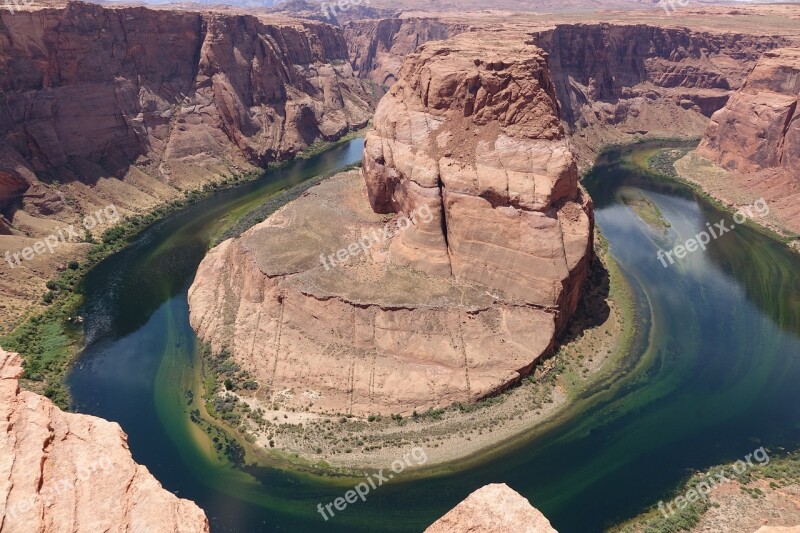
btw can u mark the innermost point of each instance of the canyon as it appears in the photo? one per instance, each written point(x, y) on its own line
point(485, 126)
point(135, 107)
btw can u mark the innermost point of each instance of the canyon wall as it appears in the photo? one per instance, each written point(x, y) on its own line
point(615, 81)
point(67, 472)
point(378, 47)
point(91, 92)
point(760, 126)
point(489, 242)
point(135, 107)
point(755, 141)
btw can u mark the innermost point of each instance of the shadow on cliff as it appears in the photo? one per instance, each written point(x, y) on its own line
point(593, 310)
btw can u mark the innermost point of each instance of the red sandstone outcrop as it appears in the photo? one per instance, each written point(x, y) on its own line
point(471, 131)
point(92, 92)
point(67, 472)
point(756, 137)
point(459, 303)
point(495, 508)
point(759, 128)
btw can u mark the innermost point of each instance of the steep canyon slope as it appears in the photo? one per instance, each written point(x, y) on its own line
point(755, 139)
point(133, 107)
point(456, 305)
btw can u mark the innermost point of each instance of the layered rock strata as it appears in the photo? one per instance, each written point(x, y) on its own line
point(491, 244)
point(756, 137)
point(615, 81)
point(471, 131)
point(378, 47)
point(67, 472)
point(494, 508)
point(91, 93)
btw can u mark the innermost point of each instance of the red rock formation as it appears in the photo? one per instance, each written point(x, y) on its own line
point(494, 508)
point(756, 137)
point(69, 472)
point(378, 47)
point(607, 62)
point(459, 304)
point(472, 131)
point(90, 91)
point(760, 126)
point(615, 81)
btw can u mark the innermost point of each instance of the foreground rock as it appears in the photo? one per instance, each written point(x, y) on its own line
point(495, 508)
point(68, 472)
point(472, 286)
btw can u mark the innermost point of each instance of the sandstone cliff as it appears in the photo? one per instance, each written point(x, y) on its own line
point(494, 508)
point(91, 93)
point(615, 80)
point(66, 472)
point(755, 138)
point(378, 47)
point(460, 300)
point(134, 107)
point(759, 127)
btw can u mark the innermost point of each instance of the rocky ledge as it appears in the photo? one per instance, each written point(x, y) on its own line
point(494, 508)
point(441, 274)
point(70, 472)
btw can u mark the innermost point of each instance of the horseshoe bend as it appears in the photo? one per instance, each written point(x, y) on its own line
point(394, 265)
point(455, 307)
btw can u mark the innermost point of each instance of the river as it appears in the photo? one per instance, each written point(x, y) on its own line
point(716, 372)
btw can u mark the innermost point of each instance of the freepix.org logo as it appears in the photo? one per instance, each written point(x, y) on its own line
point(17, 5)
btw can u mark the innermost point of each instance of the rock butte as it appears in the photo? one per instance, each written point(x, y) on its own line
point(64, 472)
point(458, 306)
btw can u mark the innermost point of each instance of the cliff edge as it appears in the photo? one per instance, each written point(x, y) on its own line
point(68, 472)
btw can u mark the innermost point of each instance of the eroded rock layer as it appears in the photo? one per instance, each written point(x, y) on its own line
point(756, 138)
point(378, 47)
point(491, 244)
point(63, 472)
point(471, 131)
point(90, 92)
point(759, 127)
